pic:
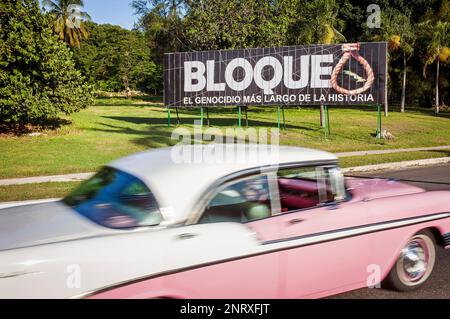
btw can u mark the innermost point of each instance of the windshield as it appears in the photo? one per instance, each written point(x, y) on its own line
point(115, 199)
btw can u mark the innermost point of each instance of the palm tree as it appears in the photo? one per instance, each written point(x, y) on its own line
point(398, 31)
point(68, 20)
point(316, 23)
point(438, 37)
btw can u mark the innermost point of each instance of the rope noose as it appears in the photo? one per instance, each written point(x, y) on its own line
point(352, 50)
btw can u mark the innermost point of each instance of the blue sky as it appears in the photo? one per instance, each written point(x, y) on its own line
point(116, 12)
point(111, 11)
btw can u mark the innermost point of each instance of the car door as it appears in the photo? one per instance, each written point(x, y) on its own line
point(222, 254)
point(316, 223)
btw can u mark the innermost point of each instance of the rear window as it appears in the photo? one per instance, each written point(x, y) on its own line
point(115, 199)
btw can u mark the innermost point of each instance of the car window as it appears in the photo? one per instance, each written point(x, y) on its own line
point(115, 199)
point(307, 187)
point(299, 188)
point(241, 201)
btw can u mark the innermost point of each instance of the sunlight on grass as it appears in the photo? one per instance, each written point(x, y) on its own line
point(115, 127)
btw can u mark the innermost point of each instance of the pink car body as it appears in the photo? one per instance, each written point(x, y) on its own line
point(325, 249)
point(359, 238)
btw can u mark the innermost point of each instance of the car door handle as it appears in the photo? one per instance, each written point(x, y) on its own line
point(295, 221)
point(186, 236)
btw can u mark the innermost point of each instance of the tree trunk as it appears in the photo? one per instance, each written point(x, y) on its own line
point(402, 106)
point(437, 86)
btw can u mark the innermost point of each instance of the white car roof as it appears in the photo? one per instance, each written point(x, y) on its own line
point(178, 184)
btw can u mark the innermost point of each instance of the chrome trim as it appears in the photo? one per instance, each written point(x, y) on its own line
point(446, 238)
point(286, 244)
point(414, 261)
point(360, 230)
point(18, 274)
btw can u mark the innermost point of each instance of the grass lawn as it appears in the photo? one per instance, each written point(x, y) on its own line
point(56, 190)
point(35, 191)
point(115, 127)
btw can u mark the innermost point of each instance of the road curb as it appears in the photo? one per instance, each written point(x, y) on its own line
point(397, 165)
point(367, 168)
point(46, 179)
point(357, 169)
point(391, 151)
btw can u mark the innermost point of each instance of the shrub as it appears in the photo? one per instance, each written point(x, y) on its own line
point(38, 78)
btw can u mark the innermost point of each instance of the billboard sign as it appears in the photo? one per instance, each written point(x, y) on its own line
point(339, 74)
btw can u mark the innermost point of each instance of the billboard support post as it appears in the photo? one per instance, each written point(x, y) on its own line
point(284, 120)
point(246, 117)
point(326, 122)
point(239, 116)
point(201, 117)
point(207, 116)
point(378, 133)
point(168, 117)
point(178, 116)
point(278, 117)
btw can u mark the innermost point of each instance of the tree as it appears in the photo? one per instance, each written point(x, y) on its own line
point(68, 21)
point(398, 32)
point(162, 23)
point(38, 78)
point(165, 8)
point(221, 24)
point(436, 29)
point(116, 59)
point(316, 23)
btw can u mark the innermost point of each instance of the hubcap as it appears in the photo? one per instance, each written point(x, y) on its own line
point(416, 261)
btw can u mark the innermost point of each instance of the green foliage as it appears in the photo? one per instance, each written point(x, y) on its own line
point(222, 24)
point(114, 59)
point(38, 78)
point(316, 22)
point(69, 28)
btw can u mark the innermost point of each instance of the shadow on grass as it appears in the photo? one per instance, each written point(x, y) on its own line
point(34, 127)
point(156, 133)
point(156, 137)
point(445, 153)
point(214, 122)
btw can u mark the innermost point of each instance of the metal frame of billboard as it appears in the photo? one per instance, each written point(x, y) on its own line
point(338, 74)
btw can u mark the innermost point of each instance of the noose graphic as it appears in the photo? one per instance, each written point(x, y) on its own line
point(349, 50)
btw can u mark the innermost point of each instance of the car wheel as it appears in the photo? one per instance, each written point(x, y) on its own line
point(414, 264)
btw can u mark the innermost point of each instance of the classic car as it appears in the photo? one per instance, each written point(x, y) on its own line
point(146, 226)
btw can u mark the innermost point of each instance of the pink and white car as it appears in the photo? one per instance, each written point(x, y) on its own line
point(147, 226)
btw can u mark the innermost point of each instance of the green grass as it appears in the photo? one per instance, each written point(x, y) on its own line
point(115, 127)
point(56, 190)
point(35, 191)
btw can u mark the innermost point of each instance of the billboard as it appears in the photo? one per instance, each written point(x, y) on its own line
point(338, 74)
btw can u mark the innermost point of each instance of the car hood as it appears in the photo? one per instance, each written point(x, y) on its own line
point(373, 188)
point(44, 223)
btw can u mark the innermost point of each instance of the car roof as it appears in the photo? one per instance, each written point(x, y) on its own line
point(179, 182)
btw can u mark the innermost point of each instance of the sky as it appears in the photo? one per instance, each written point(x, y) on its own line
point(117, 12)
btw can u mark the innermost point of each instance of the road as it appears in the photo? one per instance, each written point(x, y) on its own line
point(438, 286)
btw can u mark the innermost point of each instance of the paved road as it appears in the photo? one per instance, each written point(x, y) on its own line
point(438, 286)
